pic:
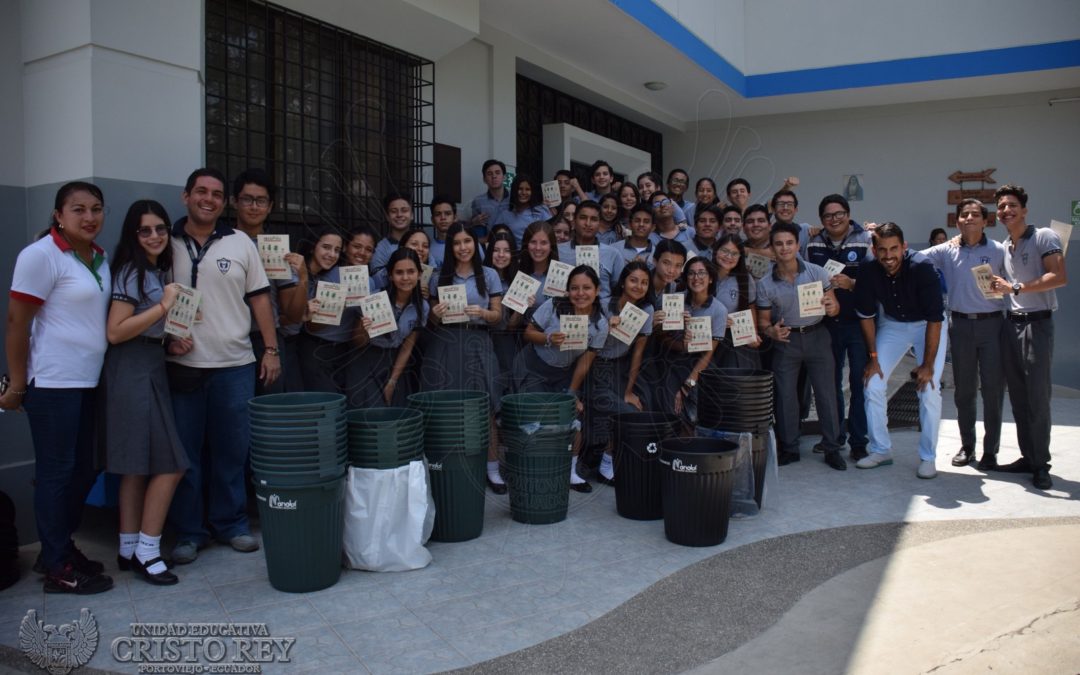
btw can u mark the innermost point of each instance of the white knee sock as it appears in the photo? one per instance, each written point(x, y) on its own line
point(575, 479)
point(493, 472)
point(148, 549)
point(607, 468)
point(128, 541)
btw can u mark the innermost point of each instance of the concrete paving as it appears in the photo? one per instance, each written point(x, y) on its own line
point(585, 594)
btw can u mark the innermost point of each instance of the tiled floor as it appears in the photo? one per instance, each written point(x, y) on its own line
point(518, 585)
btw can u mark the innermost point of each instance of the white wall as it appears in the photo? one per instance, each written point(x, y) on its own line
point(719, 23)
point(463, 109)
point(905, 153)
point(814, 37)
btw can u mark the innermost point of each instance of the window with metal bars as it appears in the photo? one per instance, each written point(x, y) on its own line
point(539, 104)
point(338, 120)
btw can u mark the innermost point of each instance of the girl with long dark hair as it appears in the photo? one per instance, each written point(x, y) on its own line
point(141, 440)
point(526, 206)
point(543, 367)
point(612, 383)
point(736, 290)
point(378, 373)
point(610, 230)
point(325, 350)
point(462, 355)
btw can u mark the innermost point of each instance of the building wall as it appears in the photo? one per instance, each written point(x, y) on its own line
point(905, 154)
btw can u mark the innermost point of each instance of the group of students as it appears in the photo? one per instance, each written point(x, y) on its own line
point(162, 399)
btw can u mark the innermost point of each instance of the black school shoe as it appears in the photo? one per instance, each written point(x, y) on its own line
point(964, 457)
point(71, 580)
point(165, 578)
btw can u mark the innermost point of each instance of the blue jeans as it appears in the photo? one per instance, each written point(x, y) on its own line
point(62, 427)
point(893, 340)
point(215, 413)
point(848, 342)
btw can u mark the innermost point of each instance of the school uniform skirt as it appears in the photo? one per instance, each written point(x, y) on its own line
point(369, 371)
point(534, 375)
point(678, 367)
point(324, 365)
point(139, 430)
point(605, 388)
point(507, 345)
point(461, 357)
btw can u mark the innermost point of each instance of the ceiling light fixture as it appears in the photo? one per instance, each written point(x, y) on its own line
point(655, 86)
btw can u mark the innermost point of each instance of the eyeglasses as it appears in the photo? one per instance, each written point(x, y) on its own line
point(662, 202)
point(785, 205)
point(723, 252)
point(677, 181)
point(835, 215)
point(697, 274)
point(147, 232)
point(261, 202)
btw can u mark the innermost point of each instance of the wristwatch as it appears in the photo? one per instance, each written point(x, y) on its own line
point(690, 382)
point(1016, 288)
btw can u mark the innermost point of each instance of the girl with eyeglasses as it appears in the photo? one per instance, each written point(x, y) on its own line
point(737, 291)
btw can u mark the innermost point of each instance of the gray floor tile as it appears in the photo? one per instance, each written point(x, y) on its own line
point(392, 634)
point(454, 617)
point(355, 604)
point(426, 657)
point(318, 650)
point(249, 593)
point(282, 619)
point(488, 643)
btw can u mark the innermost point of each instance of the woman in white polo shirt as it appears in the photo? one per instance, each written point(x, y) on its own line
point(60, 295)
point(142, 443)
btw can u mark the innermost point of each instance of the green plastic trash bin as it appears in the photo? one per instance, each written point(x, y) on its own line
point(302, 529)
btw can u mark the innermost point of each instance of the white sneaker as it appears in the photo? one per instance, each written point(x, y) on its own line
point(927, 469)
point(874, 460)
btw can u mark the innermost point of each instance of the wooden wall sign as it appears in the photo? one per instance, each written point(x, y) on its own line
point(984, 195)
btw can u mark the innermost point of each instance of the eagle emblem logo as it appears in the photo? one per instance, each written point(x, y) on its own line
point(59, 649)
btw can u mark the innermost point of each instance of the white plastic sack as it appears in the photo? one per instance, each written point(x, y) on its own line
point(389, 514)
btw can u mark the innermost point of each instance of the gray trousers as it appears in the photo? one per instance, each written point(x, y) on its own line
point(814, 350)
point(1028, 351)
point(976, 360)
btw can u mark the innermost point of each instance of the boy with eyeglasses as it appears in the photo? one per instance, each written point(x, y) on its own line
point(843, 241)
point(253, 200)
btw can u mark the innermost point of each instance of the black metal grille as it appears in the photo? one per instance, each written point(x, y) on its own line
point(539, 104)
point(338, 120)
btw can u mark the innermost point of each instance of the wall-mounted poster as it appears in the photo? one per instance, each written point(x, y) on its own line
point(853, 190)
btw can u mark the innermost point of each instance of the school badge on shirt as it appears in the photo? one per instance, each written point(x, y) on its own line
point(223, 265)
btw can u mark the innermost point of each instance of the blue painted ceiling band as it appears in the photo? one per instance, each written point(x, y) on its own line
point(1027, 58)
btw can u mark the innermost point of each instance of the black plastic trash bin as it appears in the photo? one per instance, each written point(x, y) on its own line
point(635, 449)
point(697, 480)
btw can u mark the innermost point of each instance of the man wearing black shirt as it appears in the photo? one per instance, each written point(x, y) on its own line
point(909, 291)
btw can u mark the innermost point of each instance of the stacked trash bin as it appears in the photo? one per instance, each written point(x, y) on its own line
point(298, 457)
point(538, 432)
point(457, 432)
point(635, 446)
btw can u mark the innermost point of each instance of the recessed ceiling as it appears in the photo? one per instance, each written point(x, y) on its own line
point(605, 43)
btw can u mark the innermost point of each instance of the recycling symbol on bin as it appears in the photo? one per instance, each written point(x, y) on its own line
point(651, 448)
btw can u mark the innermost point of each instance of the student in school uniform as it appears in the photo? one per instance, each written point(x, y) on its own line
point(665, 222)
point(612, 386)
point(378, 373)
point(543, 367)
point(731, 221)
point(502, 257)
point(704, 195)
point(443, 215)
point(538, 248)
point(629, 197)
point(526, 206)
point(324, 349)
point(684, 367)
point(610, 231)
point(141, 441)
point(736, 290)
point(415, 239)
point(586, 225)
point(638, 243)
point(706, 230)
point(399, 218)
point(462, 356)
point(669, 258)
